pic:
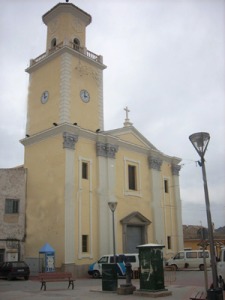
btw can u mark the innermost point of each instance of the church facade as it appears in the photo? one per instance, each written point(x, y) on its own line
point(76, 169)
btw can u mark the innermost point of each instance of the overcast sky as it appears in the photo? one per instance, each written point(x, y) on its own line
point(165, 61)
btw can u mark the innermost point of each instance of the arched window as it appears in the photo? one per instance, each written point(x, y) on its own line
point(76, 44)
point(53, 43)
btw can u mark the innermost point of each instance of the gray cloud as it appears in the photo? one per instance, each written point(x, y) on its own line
point(165, 61)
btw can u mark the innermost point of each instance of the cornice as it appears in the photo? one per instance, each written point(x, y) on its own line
point(48, 57)
point(103, 138)
point(66, 8)
point(56, 130)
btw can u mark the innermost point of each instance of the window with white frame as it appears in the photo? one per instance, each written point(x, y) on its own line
point(84, 170)
point(132, 177)
point(84, 243)
point(166, 186)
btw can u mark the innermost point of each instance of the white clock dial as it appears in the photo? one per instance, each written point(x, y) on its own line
point(44, 97)
point(85, 96)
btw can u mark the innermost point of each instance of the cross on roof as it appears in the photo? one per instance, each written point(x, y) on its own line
point(127, 121)
point(127, 111)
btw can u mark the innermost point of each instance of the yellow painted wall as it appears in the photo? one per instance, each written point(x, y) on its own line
point(131, 138)
point(41, 116)
point(45, 194)
point(85, 114)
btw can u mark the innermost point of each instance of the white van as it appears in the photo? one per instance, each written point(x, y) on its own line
point(95, 269)
point(189, 259)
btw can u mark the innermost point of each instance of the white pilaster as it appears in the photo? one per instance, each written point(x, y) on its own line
point(157, 207)
point(69, 206)
point(179, 226)
point(106, 194)
point(80, 208)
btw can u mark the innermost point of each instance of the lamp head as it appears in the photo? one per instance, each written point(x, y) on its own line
point(112, 206)
point(200, 142)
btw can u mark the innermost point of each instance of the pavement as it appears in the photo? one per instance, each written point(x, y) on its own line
point(84, 289)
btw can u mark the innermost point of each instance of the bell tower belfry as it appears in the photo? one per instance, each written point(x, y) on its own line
point(66, 83)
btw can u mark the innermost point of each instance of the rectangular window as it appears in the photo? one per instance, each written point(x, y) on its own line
point(191, 255)
point(11, 206)
point(2, 255)
point(132, 177)
point(84, 170)
point(166, 186)
point(84, 243)
point(169, 242)
point(201, 254)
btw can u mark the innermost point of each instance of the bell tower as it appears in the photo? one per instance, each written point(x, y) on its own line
point(65, 83)
point(65, 109)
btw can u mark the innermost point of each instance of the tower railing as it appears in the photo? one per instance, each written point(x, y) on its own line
point(75, 47)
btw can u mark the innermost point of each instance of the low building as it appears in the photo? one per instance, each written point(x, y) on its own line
point(12, 213)
point(196, 236)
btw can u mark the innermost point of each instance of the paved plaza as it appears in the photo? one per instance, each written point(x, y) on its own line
point(182, 287)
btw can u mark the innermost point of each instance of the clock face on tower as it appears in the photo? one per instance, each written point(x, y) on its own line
point(44, 97)
point(85, 96)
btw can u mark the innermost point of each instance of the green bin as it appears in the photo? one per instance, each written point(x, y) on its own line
point(215, 294)
point(109, 277)
point(151, 267)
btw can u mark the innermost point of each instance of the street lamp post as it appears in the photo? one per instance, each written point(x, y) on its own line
point(112, 206)
point(200, 142)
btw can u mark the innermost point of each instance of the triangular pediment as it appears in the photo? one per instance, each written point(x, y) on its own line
point(135, 218)
point(132, 136)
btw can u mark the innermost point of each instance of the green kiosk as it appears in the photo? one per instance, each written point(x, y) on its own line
point(151, 269)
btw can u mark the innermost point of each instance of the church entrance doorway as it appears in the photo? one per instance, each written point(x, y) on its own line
point(134, 238)
point(135, 227)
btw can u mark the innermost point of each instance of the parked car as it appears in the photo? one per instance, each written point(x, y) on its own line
point(14, 269)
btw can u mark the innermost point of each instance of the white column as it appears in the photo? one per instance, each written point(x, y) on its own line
point(157, 199)
point(157, 207)
point(107, 174)
point(69, 206)
point(103, 208)
point(69, 196)
point(177, 200)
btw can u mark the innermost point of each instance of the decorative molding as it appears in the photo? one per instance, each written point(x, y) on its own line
point(154, 163)
point(69, 140)
point(175, 169)
point(106, 150)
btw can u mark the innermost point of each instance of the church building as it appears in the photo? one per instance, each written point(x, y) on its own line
point(82, 181)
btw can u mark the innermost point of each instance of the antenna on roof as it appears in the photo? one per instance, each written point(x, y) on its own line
point(67, 1)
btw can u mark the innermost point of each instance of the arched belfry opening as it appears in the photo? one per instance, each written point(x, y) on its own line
point(76, 44)
point(53, 43)
point(135, 227)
